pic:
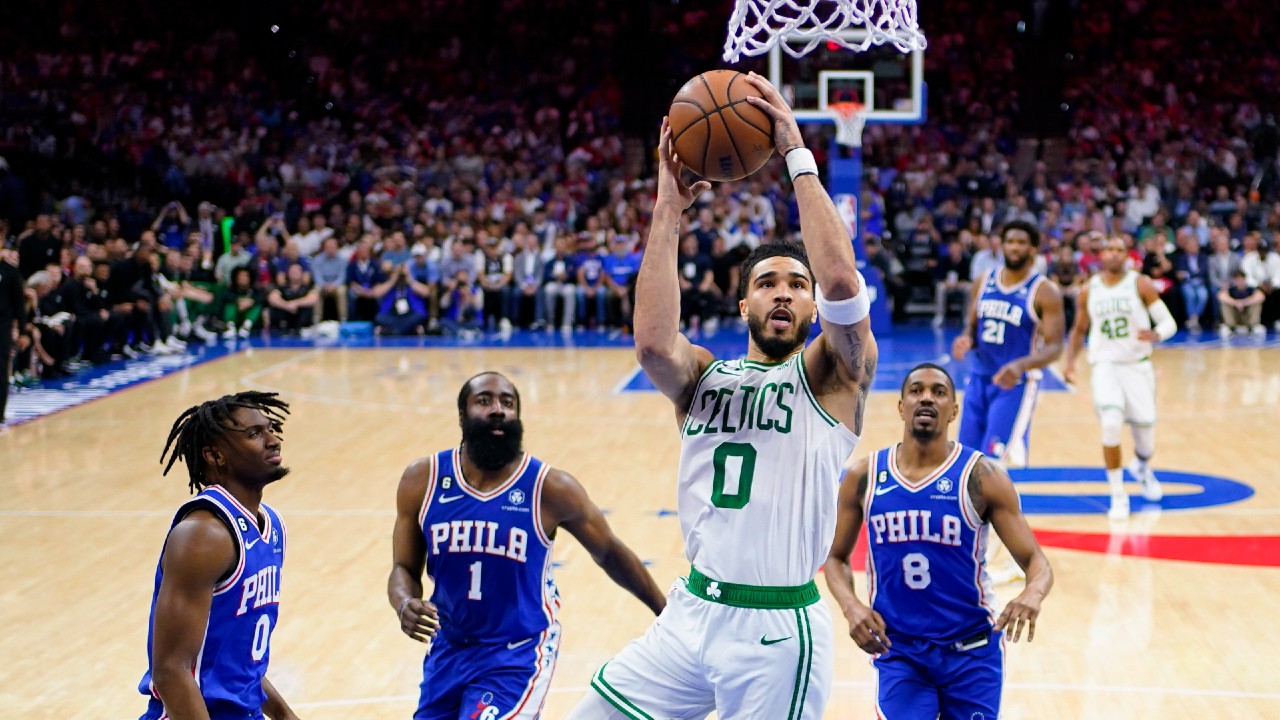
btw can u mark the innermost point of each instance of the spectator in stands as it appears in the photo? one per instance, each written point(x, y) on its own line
point(559, 283)
point(242, 303)
point(1241, 305)
point(589, 276)
point(697, 298)
point(403, 305)
point(291, 305)
point(236, 257)
point(363, 277)
point(497, 269)
point(527, 270)
point(951, 281)
point(1191, 272)
point(330, 273)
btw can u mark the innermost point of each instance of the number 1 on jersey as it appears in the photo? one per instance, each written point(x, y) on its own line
point(474, 592)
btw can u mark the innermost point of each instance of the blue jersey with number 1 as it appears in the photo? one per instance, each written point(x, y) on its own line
point(1007, 324)
point(487, 553)
point(926, 547)
point(233, 658)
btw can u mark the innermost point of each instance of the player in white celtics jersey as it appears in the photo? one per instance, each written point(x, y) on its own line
point(764, 439)
point(1116, 310)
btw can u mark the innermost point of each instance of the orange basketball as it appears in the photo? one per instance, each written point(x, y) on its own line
point(717, 133)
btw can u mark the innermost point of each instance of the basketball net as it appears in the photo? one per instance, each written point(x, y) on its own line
point(757, 25)
point(851, 118)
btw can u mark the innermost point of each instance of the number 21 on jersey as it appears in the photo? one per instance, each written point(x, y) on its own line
point(992, 332)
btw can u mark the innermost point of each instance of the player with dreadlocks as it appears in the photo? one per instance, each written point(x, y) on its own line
point(217, 588)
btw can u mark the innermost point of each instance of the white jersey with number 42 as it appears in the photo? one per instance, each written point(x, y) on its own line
point(760, 469)
point(1116, 314)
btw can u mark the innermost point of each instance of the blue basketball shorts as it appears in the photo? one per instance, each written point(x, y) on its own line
point(921, 678)
point(998, 421)
point(156, 711)
point(487, 681)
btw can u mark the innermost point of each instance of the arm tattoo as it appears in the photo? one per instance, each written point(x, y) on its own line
point(783, 140)
point(864, 389)
point(855, 346)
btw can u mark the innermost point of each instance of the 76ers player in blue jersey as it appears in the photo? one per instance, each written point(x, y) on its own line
point(928, 503)
point(1015, 327)
point(218, 581)
point(481, 518)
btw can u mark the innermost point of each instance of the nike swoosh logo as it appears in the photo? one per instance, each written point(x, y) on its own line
point(450, 499)
point(885, 488)
point(763, 641)
point(249, 545)
point(514, 645)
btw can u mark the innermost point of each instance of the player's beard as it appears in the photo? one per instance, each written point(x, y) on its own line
point(278, 472)
point(927, 434)
point(489, 451)
point(777, 347)
point(1018, 264)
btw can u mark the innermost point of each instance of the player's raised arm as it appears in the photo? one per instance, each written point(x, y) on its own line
point(418, 618)
point(667, 356)
point(1079, 330)
point(845, 354)
point(565, 504)
point(198, 552)
point(866, 627)
point(994, 497)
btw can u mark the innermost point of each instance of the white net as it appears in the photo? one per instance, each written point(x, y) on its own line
point(851, 119)
point(758, 25)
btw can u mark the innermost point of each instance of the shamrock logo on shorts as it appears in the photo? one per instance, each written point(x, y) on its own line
point(713, 590)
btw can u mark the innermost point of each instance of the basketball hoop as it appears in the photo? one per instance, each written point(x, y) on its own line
point(757, 25)
point(851, 118)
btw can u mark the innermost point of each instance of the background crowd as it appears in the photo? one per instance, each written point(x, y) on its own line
point(200, 174)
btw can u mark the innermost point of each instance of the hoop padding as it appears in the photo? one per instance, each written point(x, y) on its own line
point(850, 119)
point(757, 25)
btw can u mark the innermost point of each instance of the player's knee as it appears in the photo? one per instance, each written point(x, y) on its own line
point(1112, 426)
point(1144, 440)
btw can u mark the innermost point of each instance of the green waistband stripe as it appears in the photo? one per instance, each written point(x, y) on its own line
point(763, 597)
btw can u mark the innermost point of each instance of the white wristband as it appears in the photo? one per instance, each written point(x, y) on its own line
point(845, 312)
point(800, 162)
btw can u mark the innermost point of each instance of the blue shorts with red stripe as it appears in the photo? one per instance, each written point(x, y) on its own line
point(487, 681)
point(920, 678)
point(998, 421)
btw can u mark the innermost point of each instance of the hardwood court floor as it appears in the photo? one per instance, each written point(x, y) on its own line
point(83, 512)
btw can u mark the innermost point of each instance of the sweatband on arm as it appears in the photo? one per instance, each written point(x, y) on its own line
point(1165, 325)
point(800, 162)
point(849, 311)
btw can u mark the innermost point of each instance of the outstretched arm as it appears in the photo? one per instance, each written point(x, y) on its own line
point(995, 498)
point(866, 627)
point(668, 358)
point(565, 504)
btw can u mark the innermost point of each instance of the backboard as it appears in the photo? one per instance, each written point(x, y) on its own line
point(889, 82)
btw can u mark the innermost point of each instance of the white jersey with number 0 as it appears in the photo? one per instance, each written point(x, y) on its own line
point(760, 469)
point(1116, 314)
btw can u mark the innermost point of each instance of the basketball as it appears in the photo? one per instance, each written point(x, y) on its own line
point(716, 132)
